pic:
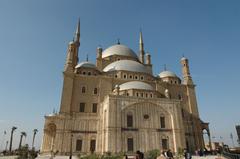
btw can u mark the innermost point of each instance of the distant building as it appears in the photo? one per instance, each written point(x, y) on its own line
point(118, 105)
point(214, 145)
point(238, 132)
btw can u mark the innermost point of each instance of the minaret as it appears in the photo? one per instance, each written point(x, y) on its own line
point(77, 34)
point(187, 79)
point(148, 59)
point(77, 42)
point(68, 74)
point(69, 66)
point(72, 53)
point(99, 60)
point(141, 48)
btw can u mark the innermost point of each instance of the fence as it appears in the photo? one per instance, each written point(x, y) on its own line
point(231, 155)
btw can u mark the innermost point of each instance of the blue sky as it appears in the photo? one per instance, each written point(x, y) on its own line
point(34, 37)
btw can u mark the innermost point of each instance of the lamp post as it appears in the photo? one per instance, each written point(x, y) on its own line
point(11, 138)
point(70, 156)
point(231, 136)
point(3, 140)
point(6, 145)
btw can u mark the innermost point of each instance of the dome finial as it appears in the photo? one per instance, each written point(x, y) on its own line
point(87, 57)
point(165, 67)
point(118, 41)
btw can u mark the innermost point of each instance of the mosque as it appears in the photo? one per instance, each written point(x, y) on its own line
point(119, 105)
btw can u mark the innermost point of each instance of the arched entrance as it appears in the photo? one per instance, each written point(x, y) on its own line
point(49, 133)
point(206, 131)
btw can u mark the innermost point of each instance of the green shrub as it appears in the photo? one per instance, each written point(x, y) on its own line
point(153, 154)
point(105, 156)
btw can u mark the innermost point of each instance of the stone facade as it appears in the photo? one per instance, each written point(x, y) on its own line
point(118, 105)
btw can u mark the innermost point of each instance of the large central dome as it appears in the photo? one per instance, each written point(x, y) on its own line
point(119, 49)
point(126, 65)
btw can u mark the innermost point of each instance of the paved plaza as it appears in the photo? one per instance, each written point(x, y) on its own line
point(67, 157)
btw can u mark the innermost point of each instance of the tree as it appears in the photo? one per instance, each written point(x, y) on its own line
point(23, 134)
point(11, 138)
point(34, 135)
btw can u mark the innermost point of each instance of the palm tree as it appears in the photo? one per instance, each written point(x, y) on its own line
point(34, 134)
point(23, 134)
point(11, 138)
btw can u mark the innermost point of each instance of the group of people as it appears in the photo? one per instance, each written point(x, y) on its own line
point(166, 154)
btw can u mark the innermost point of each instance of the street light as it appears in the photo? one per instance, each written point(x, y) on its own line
point(3, 140)
point(11, 138)
point(231, 136)
point(70, 156)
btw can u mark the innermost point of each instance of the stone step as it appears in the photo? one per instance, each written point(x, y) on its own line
point(56, 157)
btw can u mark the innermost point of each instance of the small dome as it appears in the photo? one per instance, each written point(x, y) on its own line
point(118, 49)
point(71, 43)
point(86, 64)
point(126, 65)
point(183, 58)
point(135, 85)
point(167, 74)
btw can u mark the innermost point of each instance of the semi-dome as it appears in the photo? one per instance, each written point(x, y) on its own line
point(126, 65)
point(86, 64)
point(119, 49)
point(135, 85)
point(167, 74)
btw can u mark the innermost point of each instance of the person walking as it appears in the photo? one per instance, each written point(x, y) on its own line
point(187, 154)
point(169, 154)
point(161, 156)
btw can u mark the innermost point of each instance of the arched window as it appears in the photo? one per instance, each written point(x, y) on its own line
point(165, 143)
point(94, 108)
point(162, 122)
point(92, 145)
point(89, 73)
point(95, 91)
point(179, 96)
point(83, 89)
point(137, 94)
point(130, 144)
point(129, 120)
point(82, 107)
point(79, 145)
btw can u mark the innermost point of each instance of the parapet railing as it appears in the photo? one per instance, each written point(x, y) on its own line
point(231, 155)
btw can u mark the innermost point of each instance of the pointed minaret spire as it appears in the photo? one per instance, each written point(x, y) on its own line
point(77, 33)
point(141, 48)
point(141, 37)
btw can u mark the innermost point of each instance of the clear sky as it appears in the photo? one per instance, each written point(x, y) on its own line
point(34, 37)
